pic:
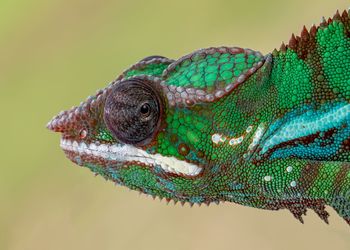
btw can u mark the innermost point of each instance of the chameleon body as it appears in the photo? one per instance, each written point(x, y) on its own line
point(227, 124)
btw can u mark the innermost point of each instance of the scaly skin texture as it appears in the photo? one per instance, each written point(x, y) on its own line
point(227, 124)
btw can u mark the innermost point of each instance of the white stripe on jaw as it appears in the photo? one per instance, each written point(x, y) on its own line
point(128, 153)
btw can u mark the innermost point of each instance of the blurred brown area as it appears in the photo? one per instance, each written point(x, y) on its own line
point(53, 54)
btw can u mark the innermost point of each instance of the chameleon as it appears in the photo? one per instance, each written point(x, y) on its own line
point(227, 124)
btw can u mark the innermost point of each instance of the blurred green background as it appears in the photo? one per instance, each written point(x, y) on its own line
point(53, 54)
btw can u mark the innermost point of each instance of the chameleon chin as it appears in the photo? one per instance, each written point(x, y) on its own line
point(227, 124)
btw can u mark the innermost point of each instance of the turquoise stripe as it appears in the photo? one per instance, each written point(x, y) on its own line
point(307, 124)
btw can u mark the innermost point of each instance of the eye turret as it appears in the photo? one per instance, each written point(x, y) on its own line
point(133, 111)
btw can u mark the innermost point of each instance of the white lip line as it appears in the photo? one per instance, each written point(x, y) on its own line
point(128, 153)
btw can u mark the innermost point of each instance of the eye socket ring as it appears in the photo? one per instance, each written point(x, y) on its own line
point(133, 111)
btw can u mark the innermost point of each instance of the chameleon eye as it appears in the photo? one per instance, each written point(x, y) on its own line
point(133, 111)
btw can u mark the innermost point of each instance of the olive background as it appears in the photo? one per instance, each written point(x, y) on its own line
point(53, 54)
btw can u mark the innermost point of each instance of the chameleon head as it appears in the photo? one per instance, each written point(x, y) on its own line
point(152, 128)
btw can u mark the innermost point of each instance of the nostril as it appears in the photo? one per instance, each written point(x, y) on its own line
point(83, 134)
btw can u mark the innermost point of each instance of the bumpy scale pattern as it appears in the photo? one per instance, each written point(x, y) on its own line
point(311, 79)
point(270, 132)
point(205, 68)
point(209, 74)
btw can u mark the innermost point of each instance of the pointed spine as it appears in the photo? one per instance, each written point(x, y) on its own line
point(323, 214)
point(305, 36)
point(337, 16)
point(283, 47)
point(345, 15)
point(293, 42)
point(313, 30)
point(275, 52)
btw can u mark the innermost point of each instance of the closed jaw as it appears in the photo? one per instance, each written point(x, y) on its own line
point(128, 153)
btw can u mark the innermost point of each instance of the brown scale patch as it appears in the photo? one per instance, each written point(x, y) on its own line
point(183, 149)
point(347, 220)
point(308, 175)
point(341, 176)
point(173, 138)
point(322, 92)
point(344, 18)
point(346, 144)
point(327, 135)
point(303, 141)
point(305, 46)
point(305, 43)
point(298, 207)
point(200, 154)
point(169, 175)
point(248, 106)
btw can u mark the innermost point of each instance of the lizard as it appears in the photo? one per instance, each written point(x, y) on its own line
point(227, 124)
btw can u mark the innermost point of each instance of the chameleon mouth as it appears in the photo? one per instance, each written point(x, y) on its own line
point(126, 153)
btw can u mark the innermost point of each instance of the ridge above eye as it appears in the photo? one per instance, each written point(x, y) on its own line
point(133, 111)
point(149, 58)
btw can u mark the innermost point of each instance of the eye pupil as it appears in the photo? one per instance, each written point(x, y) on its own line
point(145, 109)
